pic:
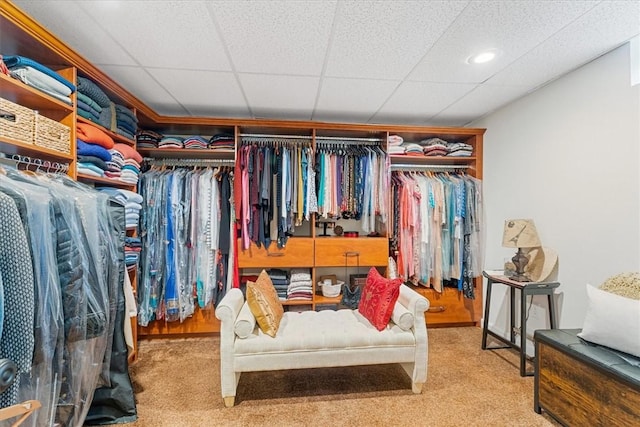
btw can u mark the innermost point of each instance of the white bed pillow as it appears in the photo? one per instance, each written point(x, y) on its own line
point(612, 321)
point(245, 322)
point(402, 317)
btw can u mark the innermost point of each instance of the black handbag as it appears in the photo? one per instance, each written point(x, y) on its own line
point(351, 296)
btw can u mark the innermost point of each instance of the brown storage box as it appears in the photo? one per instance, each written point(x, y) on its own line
point(52, 135)
point(16, 122)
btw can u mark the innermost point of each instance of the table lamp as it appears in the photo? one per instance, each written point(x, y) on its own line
point(520, 233)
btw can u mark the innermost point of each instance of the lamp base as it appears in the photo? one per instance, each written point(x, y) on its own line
point(520, 260)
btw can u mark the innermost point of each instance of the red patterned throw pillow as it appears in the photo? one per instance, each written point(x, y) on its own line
point(378, 298)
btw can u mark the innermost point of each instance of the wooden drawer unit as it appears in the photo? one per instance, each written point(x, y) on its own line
point(451, 307)
point(297, 253)
point(363, 251)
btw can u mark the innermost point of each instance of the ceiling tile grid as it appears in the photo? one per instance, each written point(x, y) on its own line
point(337, 60)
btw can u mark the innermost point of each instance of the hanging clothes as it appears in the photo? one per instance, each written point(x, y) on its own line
point(437, 228)
point(185, 221)
point(64, 237)
point(352, 183)
point(276, 192)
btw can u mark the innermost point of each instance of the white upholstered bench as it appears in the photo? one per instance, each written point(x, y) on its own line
point(327, 338)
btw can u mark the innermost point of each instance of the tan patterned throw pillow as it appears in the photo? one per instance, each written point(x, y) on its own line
point(264, 304)
point(624, 284)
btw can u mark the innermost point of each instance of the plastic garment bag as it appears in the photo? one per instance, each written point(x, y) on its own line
point(46, 368)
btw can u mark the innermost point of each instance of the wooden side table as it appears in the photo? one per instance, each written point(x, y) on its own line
point(526, 289)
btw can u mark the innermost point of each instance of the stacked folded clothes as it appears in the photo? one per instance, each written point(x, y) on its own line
point(280, 281)
point(195, 142)
point(222, 142)
point(394, 144)
point(169, 141)
point(132, 203)
point(300, 285)
point(434, 147)
point(114, 166)
point(126, 122)
point(148, 139)
point(126, 163)
point(412, 149)
point(459, 149)
point(132, 248)
point(40, 77)
point(93, 147)
point(91, 92)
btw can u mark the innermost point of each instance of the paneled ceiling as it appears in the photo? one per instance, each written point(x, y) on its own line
point(357, 61)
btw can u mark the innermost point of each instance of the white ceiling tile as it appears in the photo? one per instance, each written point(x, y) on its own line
point(384, 39)
point(445, 121)
point(280, 96)
point(204, 93)
point(141, 85)
point(351, 99)
point(276, 37)
point(480, 101)
point(99, 48)
point(513, 27)
point(414, 102)
point(595, 33)
point(163, 34)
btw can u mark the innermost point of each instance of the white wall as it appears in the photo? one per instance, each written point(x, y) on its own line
point(568, 156)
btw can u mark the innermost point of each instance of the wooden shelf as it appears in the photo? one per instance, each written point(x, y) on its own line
point(105, 181)
point(320, 299)
point(16, 91)
point(116, 136)
point(431, 160)
point(186, 153)
point(13, 146)
point(297, 302)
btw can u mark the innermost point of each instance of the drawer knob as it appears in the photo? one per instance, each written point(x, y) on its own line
point(351, 254)
point(438, 309)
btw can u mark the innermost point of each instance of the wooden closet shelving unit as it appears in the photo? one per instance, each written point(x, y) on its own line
point(22, 35)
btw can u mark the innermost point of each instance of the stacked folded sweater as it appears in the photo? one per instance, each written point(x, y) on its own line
point(114, 167)
point(169, 141)
point(93, 96)
point(195, 142)
point(280, 282)
point(300, 285)
point(434, 147)
point(126, 122)
point(222, 142)
point(132, 203)
point(40, 77)
point(148, 139)
point(132, 248)
point(93, 147)
point(459, 149)
point(394, 144)
point(126, 162)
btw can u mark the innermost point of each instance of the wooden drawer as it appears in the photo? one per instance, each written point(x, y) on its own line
point(363, 251)
point(450, 307)
point(297, 253)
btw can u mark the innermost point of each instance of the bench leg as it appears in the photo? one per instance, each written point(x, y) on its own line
point(416, 387)
point(229, 401)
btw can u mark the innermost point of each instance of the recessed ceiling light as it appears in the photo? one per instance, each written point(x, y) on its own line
point(483, 57)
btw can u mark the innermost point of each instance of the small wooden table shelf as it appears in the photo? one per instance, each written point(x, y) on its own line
point(526, 289)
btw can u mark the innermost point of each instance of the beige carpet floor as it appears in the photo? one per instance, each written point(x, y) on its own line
point(177, 383)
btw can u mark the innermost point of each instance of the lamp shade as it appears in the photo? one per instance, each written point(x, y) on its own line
point(520, 233)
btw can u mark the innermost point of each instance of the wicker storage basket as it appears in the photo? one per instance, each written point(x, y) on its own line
point(16, 121)
point(51, 134)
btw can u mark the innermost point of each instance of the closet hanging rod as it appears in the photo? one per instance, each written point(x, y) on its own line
point(347, 139)
point(45, 165)
point(188, 162)
point(403, 166)
point(261, 135)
